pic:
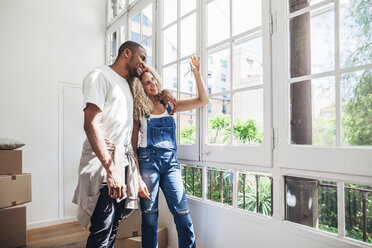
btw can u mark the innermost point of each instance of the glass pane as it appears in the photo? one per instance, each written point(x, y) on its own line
point(219, 117)
point(355, 32)
point(220, 185)
point(121, 5)
point(247, 63)
point(148, 46)
point(218, 21)
point(135, 23)
point(246, 15)
point(123, 37)
point(170, 79)
point(295, 5)
point(170, 44)
point(311, 202)
point(188, 35)
point(313, 118)
point(187, 6)
point(358, 209)
point(322, 41)
point(188, 118)
point(170, 11)
point(113, 47)
point(248, 117)
point(311, 42)
point(147, 22)
point(219, 70)
point(356, 92)
point(192, 179)
point(247, 192)
point(264, 195)
point(327, 206)
point(113, 9)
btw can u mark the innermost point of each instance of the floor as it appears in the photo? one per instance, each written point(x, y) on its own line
point(71, 235)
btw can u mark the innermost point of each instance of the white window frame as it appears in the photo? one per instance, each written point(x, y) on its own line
point(337, 159)
point(189, 152)
point(257, 154)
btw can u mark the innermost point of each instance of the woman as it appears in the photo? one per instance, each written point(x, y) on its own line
point(157, 155)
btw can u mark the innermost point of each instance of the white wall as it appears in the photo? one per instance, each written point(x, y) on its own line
point(44, 43)
point(220, 227)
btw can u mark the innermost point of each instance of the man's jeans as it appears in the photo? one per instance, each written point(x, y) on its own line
point(160, 168)
point(105, 220)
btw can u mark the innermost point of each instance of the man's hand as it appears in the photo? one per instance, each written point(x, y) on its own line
point(168, 97)
point(114, 182)
point(142, 189)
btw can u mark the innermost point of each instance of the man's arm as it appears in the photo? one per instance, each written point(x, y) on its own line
point(168, 97)
point(92, 120)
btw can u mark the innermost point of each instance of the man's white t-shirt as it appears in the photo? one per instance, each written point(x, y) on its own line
point(111, 93)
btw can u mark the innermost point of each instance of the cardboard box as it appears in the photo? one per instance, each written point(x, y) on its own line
point(130, 227)
point(13, 227)
point(10, 162)
point(135, 242)
point(15, 189)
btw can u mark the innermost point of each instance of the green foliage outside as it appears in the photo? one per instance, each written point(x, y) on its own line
point(246, 132)
point(214, 177)
point(327, 208)
point(264, 201)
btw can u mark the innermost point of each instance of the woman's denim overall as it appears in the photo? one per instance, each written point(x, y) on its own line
point(160, 168)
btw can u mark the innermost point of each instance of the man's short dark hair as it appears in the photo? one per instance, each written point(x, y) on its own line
point(131, 45)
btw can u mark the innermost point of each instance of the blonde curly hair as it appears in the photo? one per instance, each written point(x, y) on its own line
point(142, 103)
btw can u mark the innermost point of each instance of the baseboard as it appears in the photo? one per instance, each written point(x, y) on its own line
point(38, 224)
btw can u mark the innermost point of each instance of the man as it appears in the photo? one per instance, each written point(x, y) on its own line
point(107, 171)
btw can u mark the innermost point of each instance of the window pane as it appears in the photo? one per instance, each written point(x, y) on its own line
point(356, 92)
point(311, 42)
point(170, 11)
point(147, 22)
point(220, 185)
point(246, 15)
point(355, 33)
point(295, 5)
point(192, 179)
point(170, 79)
point(113, 9)
point(358, 209)
point(131, 1)
point(218, 21)
point(219, 118)
point(187, 6)
point(170, 44)
point(322, 41)
point(136, 28)
point(247, 63)
point(248, 117)
point(188, 118)
point(312, 203)
point(121, 5)
point(113, 47)
point(123, 37)
point(327, 204)
point(313, 118)
point(148, 46)
point(248, 197)
point(219, 67)
point(188, 35)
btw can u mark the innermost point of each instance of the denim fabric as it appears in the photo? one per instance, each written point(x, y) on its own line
point(105, 220)
point(159, 167)
point(161, 133)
